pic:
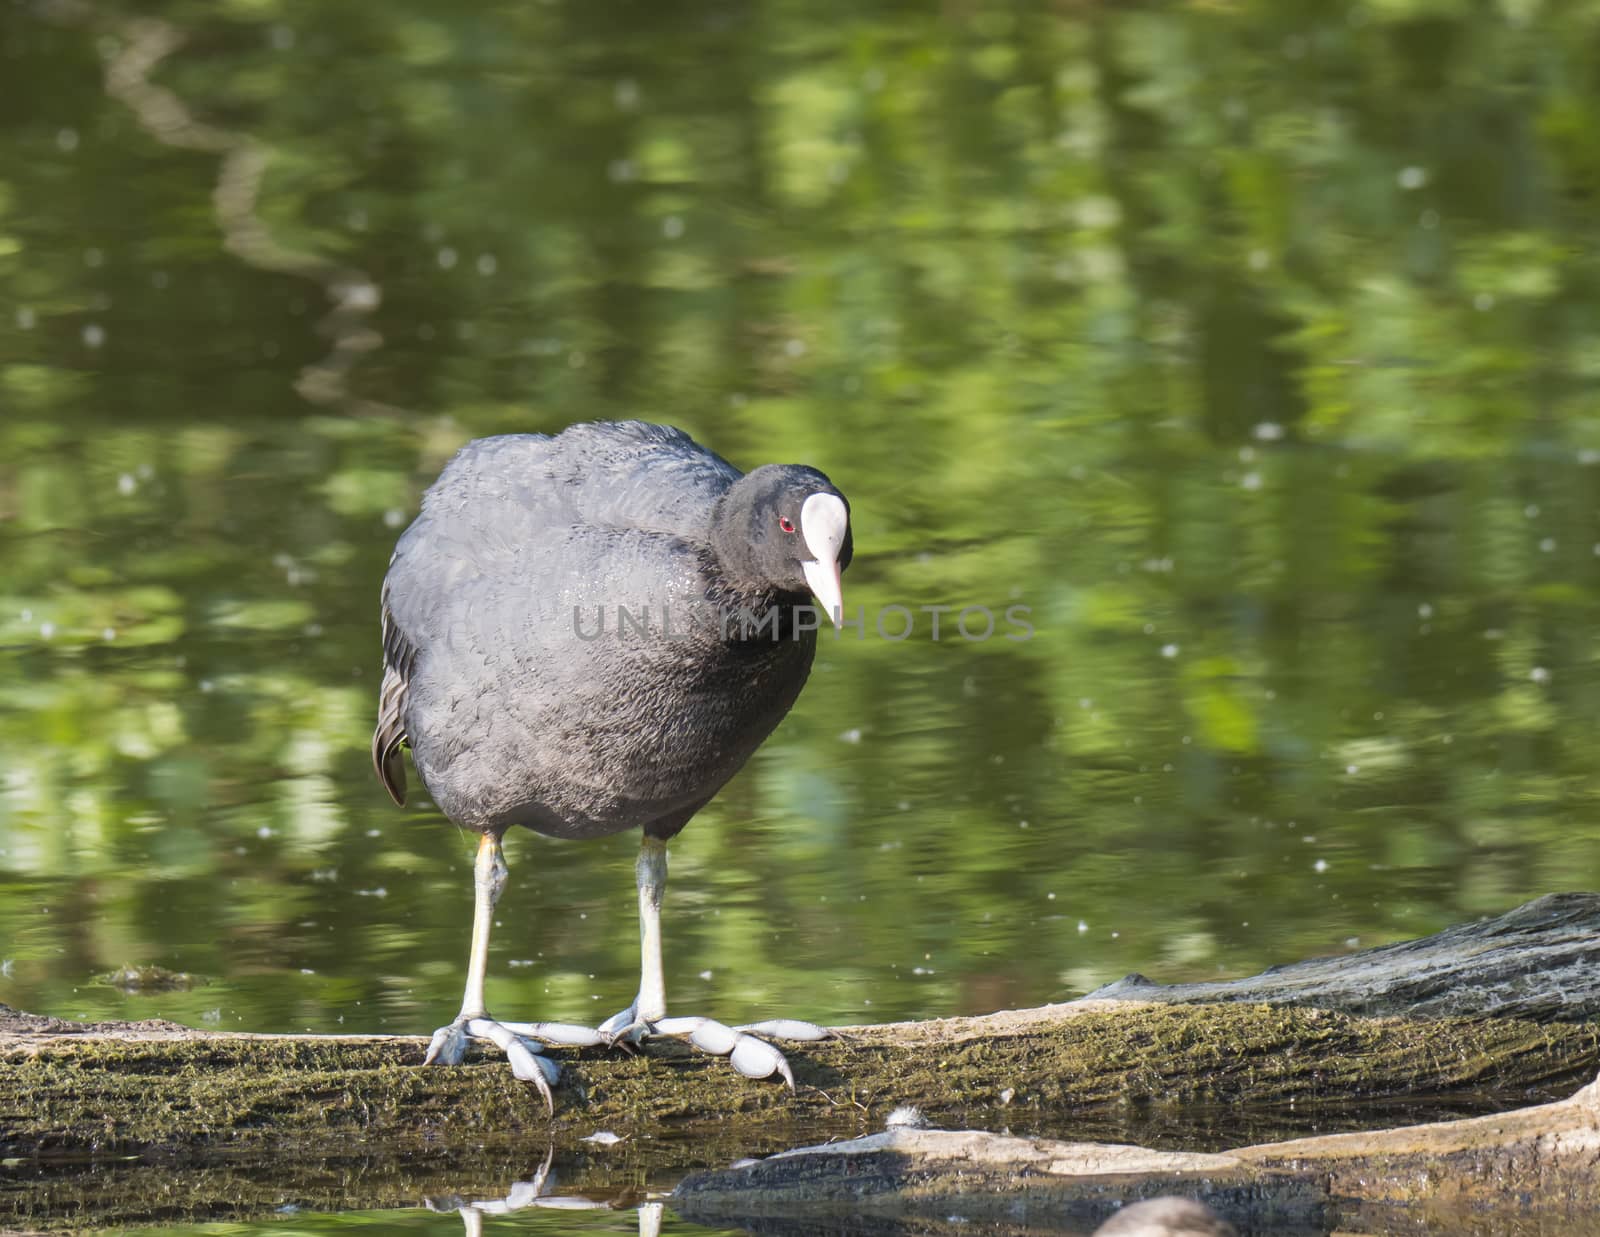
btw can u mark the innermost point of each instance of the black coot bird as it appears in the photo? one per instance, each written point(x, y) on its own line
point(589, 633)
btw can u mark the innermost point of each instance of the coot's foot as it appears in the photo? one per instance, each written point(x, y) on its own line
point(752, 1056)
point(528, 1062)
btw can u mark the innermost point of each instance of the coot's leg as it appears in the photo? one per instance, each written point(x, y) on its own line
point(755, 1058)
point(449, 1043)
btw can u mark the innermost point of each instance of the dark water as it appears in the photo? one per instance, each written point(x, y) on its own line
point(1253, 348)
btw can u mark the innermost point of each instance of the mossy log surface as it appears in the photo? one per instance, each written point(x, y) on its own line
point(116, 1123)
point(156, 1090)
point(151, 1123)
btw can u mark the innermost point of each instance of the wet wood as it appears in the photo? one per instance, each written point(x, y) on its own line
point(1540, 961)
point(202, 1103)
point(1534, 1169)
point(969, 1176)
point(181, 1092)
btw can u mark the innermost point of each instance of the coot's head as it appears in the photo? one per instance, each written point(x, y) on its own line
point(786, 526)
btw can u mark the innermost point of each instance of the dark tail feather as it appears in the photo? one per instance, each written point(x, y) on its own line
point(390, 737)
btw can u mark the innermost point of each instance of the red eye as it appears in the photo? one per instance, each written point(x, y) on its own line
point(785, 523)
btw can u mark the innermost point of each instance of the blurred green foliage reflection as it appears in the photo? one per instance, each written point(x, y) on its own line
point(1253, 345)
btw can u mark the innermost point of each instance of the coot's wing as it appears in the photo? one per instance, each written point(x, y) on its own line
point(499, 495)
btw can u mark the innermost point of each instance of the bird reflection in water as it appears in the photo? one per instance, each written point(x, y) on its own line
point(525, 1195)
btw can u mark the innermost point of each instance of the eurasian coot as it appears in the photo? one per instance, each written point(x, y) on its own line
point(592, 632)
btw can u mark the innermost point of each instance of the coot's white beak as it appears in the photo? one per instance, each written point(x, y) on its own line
point(824, 522)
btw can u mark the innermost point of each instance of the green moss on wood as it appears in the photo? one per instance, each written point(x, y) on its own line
point(212, 1093)
point(118, 1131)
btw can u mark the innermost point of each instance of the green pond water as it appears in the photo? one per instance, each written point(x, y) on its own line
point(1252, 348)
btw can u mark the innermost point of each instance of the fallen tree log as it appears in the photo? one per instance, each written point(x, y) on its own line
point(1533, 1168)
point(1540, 961)
point(952, 1179)
point(342, 1108)
point(167, 1090)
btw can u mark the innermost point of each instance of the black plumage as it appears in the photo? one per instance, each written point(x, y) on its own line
point(592, 632)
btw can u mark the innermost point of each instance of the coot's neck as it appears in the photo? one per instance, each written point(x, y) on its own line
point(729, 537)
point(736, 583)
point(747, 609)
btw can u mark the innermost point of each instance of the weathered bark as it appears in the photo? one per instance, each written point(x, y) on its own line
point(240, 1122)
point(1534, 1169)
point(911, 1177)
point(176, 1091)
point(1540, 961)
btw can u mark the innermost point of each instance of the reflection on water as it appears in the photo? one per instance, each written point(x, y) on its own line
point(1251, 348)
point(647, 1220)
point(1040, 1222)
